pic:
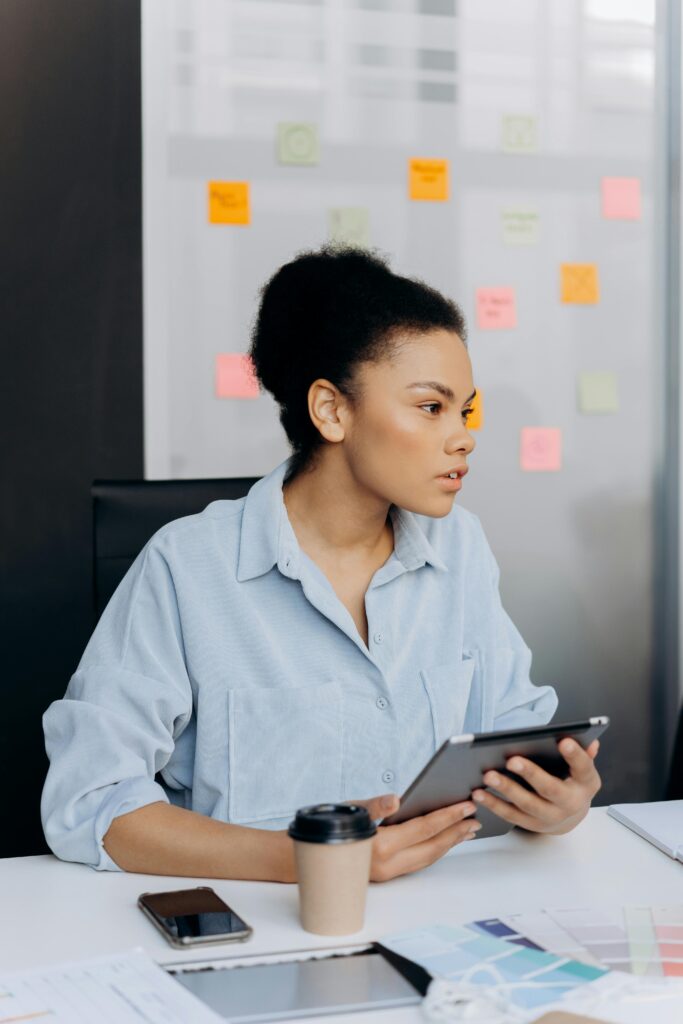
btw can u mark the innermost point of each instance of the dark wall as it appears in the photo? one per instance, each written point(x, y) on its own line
point(71, 343)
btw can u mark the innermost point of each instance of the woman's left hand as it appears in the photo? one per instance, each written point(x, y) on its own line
point(557, 805)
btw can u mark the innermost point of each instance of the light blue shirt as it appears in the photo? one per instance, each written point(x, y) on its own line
point(226, 664)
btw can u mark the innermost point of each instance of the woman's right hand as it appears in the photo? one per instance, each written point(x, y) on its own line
point(402, 849)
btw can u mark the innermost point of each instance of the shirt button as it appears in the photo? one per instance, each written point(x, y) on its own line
point(381, 703)
point(388, 777)
point(378, 637)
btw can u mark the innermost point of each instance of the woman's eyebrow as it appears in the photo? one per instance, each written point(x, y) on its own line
point(434, 385)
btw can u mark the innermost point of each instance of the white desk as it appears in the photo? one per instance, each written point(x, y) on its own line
point(52, 911)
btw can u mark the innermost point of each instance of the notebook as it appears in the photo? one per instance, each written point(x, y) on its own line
point(660, 823)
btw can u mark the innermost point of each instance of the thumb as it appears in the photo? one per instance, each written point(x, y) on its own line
point(380, 806)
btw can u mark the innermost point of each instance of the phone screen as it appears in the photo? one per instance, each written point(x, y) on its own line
point(193, 914)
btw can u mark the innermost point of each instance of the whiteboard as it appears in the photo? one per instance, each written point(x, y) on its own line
point(385, 81)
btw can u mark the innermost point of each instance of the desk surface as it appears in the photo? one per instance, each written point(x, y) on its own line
point(52, 911)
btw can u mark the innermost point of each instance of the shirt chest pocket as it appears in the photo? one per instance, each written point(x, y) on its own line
point(448, 685)
point(285, 750)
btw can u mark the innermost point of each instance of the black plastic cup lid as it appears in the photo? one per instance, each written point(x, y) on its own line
point(332, 823)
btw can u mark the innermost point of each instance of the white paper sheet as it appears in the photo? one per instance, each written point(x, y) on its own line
point(129, 987)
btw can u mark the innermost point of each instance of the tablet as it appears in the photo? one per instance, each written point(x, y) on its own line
point(372, 979)
point(458, 765)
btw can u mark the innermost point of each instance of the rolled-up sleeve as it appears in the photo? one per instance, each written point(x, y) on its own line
point(123, 710)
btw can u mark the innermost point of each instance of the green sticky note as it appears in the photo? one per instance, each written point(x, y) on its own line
point(598, 393)
point(519, 226)
point(350, 225)
point(298, 143)
point(519, 133)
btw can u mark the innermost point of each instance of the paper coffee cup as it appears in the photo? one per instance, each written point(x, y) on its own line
point(333, 852)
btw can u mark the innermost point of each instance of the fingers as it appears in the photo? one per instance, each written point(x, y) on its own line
point(407, 859)
point(548, 786)
point(581, 766)
point(506, 811)
point(378, 806)
point(529, 803)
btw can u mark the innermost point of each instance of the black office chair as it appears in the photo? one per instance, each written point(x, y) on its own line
point(674, 789)
point(127, 512)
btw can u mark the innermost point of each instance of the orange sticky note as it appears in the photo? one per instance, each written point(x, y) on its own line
point(229, 202)
point(235, 377)
point(541, 449)
point(580, 283)
point(476, 420)
point(621, 198)
point(496, 309)
point(428, 179)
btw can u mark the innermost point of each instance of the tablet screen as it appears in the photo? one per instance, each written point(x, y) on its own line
point(304, 988)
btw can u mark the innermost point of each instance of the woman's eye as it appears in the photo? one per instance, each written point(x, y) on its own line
point(466, 413)
point(431, 405)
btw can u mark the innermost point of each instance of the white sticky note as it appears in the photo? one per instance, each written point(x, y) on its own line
point(519, 133)
point(597, 392)
point(519, 225)
point(349, 225)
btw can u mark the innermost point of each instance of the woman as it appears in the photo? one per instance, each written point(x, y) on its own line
point(318, 639)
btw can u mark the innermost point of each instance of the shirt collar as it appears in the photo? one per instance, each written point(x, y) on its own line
point(267, 537)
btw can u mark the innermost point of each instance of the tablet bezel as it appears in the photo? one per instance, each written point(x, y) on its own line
point(466, 757)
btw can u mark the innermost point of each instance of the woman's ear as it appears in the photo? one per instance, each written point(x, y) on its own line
point(326, 409)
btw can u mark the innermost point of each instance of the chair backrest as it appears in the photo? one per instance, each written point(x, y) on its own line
point(674, 787)
point(126, 513)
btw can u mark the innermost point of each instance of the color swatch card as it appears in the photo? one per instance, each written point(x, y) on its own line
point(520, 226)
point(229, 202)
point(298, 143)
point(235, 377)
point(530, 977)
point(496, 309)
point(579, 284)
point(540, 449)
point(349, 225)
point(428, 180)
point(539, 927)
point(519, 133)
point(621, 198)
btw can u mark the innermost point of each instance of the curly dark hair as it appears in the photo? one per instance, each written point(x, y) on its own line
point(323, 314)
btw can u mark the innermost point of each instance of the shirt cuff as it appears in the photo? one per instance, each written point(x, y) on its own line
point(125, 796)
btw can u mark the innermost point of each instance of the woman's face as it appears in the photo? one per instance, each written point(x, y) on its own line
point(408, 429)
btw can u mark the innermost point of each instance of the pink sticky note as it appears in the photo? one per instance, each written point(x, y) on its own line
point(621, 198)
point(541, 449)
point(235, 376)
point(496, 308)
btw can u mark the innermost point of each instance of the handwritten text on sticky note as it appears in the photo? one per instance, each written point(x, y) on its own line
point(519, 226)
point(496, 309)
point(229, 202)
point(298, 143)
point(428, 179)
point(598, 392)
point(235, 377)
point(579, 283)
point(350, 225)
point(621, 198)
point(540, 449)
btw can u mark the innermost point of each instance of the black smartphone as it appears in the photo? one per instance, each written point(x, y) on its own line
point(188, 917)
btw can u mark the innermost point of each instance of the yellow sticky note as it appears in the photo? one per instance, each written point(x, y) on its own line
point(580, 283)
point(229, 202)
point(428, 179)
point(476, 420)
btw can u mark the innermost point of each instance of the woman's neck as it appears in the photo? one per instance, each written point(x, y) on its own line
point(330, 512)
